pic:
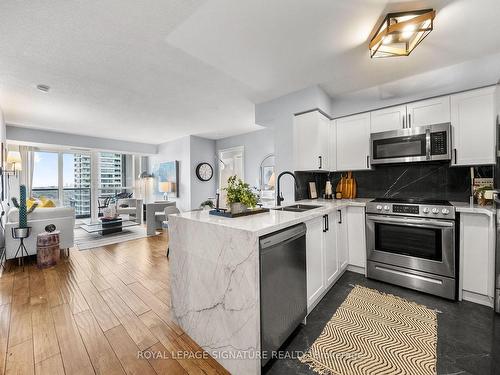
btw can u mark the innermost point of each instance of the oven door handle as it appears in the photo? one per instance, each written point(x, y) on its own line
point(411, 222)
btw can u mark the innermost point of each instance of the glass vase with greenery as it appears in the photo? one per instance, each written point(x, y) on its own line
point(239, 196)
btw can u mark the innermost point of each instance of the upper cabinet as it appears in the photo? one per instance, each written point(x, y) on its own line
point(473, 121)
point(353, 142)
point(428, 112)
point(311, 135)
point(392, 118)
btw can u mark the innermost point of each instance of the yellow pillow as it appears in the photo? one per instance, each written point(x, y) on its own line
point(47, 203)
point(30, 202)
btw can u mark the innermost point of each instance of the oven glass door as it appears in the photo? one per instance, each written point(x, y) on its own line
point(419, 244)
point(413, 146)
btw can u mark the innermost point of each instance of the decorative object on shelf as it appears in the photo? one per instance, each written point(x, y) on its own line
point(239, 195)
point(204, 171)
point(110, 212)
point(166, 187)
point(208, 204)
point(313, 191)
point(169, 172)
point(50, 228)
point(401, 32)
point(47, 248)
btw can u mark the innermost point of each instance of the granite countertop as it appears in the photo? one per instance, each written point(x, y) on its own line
point(261, 224)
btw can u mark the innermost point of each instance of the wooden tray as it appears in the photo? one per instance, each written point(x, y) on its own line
point(246, 213)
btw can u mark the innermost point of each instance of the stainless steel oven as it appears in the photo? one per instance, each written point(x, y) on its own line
point(425, 143)
point(412, 244)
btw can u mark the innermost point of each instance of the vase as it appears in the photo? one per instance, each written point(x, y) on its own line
point(238, 208)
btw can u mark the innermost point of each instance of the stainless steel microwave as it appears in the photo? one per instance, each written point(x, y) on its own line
point(424, 143)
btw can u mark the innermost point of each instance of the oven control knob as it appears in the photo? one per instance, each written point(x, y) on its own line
point(435, 211)
point(379, 207)
point(445, 211)
point(425, 210)
point(387, 208)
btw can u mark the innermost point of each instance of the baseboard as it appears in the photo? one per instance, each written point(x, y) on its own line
point(477, 298)
point(356, 269)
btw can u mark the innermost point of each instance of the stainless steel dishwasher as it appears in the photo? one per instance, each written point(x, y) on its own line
point(283, 291)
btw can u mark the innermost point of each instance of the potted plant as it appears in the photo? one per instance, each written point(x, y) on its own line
point(239, 195)
point(23, 230)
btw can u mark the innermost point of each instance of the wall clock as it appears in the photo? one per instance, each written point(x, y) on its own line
point(204, 171)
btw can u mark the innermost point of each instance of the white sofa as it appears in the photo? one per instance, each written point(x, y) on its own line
point(62, 217)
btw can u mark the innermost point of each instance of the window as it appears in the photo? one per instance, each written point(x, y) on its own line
point(76, 183)
point(46, 175)
point(112, 174)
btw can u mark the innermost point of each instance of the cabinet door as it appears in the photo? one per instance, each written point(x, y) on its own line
point(332, 151)
point(429, 112)
point(473, 121)
point(332, 269)
point(342, 246)
point(356, 236)
point(392, 118)
point(311, 133)
point(353, 142)
point(478, 258)
point(314, 259)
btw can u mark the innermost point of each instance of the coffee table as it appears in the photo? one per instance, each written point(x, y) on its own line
point(105, 227)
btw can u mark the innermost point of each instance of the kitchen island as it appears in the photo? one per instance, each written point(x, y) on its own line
point(214, 273)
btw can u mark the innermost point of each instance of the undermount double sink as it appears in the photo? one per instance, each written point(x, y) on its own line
point(297, 208)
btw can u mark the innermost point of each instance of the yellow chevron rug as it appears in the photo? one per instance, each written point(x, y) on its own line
point(377, 334)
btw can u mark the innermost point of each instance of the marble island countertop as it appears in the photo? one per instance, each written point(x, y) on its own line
point(274, 220)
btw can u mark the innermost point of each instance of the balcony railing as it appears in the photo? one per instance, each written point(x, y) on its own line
point(79, 198)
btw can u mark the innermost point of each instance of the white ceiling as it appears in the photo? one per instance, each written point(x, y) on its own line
point(154, 70)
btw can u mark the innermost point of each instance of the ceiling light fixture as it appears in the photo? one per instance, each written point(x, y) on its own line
point(43, 88)
point(401, 32)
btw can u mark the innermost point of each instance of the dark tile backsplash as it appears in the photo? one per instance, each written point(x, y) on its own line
point(425, 181)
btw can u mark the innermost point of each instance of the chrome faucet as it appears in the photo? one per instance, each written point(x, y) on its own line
point(279, 195)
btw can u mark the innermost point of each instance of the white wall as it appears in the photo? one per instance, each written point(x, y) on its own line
point(278, 115)
point(189, 151)
point(257, 145)
point(202, 150)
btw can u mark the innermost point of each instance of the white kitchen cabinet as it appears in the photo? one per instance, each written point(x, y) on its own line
point(392, 118)
point(315, 261)
point(311, 140)
point(473, 120)
point(332, 151)
point(356, 238)
point(323, 261)
point(341, 228)
point(332, 266)
point(353, 142)
point(477, 254)
point(428, 112)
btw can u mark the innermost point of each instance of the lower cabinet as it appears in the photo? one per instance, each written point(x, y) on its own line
point(477, 251)
point(326, 255)
point(356, 238)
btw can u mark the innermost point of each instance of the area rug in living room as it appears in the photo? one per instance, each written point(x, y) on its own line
point(376, 333)
point(85, 241)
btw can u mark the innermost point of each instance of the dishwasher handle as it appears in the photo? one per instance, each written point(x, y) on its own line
point(283, 236)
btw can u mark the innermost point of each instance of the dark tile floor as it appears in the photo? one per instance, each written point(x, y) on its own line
point(468, 334)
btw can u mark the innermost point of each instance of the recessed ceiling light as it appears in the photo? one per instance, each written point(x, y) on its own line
point(401, 32)
point(43, 88)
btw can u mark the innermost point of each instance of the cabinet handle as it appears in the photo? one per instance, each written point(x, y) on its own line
point(340, 216)
point(320, 162)
point(324, 224)
point(367, 161)
point(409, 120)
point(403, 122)
point(455, 154)
point(327, 220)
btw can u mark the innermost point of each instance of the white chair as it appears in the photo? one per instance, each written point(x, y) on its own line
point(155, 215)
point(131, 207)
point(171, 210)
point(62, 217)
